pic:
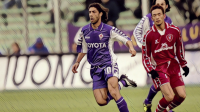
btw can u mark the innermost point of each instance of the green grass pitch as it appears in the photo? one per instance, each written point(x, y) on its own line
point(82, 100)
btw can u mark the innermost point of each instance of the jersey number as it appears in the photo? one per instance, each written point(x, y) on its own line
point(108, 70)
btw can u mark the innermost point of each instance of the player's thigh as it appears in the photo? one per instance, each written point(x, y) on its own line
point(180, 92)
point(167, 91)
point(113, 88)
point(176, 80)
point(113, 82)
point(100, 94)
point(163, 79)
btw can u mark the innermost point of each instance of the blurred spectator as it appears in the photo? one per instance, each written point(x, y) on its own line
point(186, 6)
point(16, 49)
point(9, 4)
point(121, 5)
point(34, 5)
point(52, 20)
point(85, 12)
point(38, 47)
point(138, 11)
point(114, 11)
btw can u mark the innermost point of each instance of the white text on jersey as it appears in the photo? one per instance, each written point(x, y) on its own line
point(164, 47)
point(96, 45)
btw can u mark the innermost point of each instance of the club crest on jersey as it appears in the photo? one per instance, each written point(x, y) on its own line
point(169, 37)
point(100, 36)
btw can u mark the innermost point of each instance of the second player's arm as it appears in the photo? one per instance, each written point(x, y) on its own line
point(146, 54)
point(140, 30)
point(180, 52)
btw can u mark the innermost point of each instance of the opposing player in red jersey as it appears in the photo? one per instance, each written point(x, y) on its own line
point(161, 44)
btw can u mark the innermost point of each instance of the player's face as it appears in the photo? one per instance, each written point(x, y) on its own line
point(94, 15)
point(162, 3)
point(157, 17)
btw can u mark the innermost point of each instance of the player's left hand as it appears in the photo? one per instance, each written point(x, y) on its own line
point(132, 51)
point(186, 71)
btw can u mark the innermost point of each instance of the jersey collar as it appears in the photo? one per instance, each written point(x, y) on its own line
point(100, 27)
point(155, 30)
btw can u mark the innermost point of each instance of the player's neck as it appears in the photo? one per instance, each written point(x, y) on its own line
point(161, 27)
point(96, 25)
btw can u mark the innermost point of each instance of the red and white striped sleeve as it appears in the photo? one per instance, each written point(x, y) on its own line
point(180, 51)
point(146, 53)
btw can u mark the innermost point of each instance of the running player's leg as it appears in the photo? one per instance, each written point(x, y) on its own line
point(177, 84)
point(168, 97)
point(100, 86)
point(147, 102)
point(111, 74)
point(124, 81)
point(164, 84)
point(113, 89)
point(179, 97)
point(101, 96)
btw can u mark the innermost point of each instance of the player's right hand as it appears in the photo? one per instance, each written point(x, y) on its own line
point(186, 70)
point(132, 51)
point(154, 74)
point(74, 68)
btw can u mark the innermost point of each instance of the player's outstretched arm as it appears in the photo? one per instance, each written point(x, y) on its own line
point(131, 49)
point(78, 60)
point(140, 30)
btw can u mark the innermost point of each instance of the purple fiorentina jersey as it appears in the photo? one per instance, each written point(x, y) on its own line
point(98, 44)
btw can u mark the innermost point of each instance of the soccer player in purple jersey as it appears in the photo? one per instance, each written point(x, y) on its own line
point(143, 26)
point(96, 40)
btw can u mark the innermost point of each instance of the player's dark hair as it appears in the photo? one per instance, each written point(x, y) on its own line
point(167, 3)
point(157, 7)
point(102, 9)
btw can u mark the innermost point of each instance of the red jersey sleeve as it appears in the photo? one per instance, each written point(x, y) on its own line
point(146, 53)
point(180, 51)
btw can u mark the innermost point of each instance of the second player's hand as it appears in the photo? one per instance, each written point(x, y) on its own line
point(186, 71)
point(132, 51)
point(74, 68)
point(154, 74)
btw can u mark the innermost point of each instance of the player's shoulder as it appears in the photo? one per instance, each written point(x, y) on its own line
point(85, 28)
point(168, 20)
point(148, 15)
point(144, 18)
point(114, 29)
point(107, 27)
point(173, 27)
point(149, 33)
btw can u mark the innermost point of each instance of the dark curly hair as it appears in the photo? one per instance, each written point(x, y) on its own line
point(102, 9)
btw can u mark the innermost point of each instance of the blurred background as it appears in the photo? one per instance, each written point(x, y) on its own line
point(37, 82)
